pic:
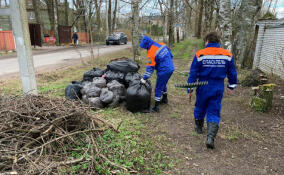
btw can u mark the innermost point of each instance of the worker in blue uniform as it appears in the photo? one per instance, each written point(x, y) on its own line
point(212, 64)
point(159, 58)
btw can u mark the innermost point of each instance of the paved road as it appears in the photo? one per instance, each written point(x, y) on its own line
point(10, 65)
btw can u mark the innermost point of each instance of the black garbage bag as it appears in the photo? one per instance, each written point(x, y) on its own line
point(124, 66)
point(96, 102)
point(117, 88)
point(118, 76)
point(129, 77)
point(99, 82)
point(91, 90)
point(73, 90)
point(106, 96)
point(115, 102)
point(85, 99)
point(138, 96)
point(91, 74)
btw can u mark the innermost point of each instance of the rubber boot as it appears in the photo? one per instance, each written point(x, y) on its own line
point(156, 108)
point(199, 125)
point(212, 132)
point(164, 99)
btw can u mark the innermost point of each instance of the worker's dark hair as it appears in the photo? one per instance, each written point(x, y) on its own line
point(212, 37)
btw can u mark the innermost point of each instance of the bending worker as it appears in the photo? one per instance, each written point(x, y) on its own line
point(212, 64)
point(159, 57)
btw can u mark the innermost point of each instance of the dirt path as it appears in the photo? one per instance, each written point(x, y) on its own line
point(248, 142)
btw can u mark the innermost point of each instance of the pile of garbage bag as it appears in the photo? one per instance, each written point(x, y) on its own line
point(119, 82)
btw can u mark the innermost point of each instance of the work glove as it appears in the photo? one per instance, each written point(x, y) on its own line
point(143, 81)
point(189, 91)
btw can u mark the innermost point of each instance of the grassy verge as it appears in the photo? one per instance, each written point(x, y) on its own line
point(131, 147)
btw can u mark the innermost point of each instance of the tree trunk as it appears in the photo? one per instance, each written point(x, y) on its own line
point(38, 18)
point(90, 32)
point(165, 28)
point(135, 32)
point(243, 41)
point(52, 14)
point(199, 19)
point(217, 13)
point(66, 8)
point(50, 11)
point(188, 17)
point(165, 20)
point(208, 15)
point(109, 16)
point(177, 30)
point(114, 16)
point(55, 22)
point(171, 24)
point(225, 25)
point(107, 29)
point(98, 14)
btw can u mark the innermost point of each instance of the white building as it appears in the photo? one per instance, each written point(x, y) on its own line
point(269, 53)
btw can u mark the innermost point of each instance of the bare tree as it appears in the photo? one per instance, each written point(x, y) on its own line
point(114, 15)
point(98, 4)
point(135, 25)
point(89, 7)
point(189, 9)
point(36, 7)
point(198, 23)
point(55, 5)
point(66, 8)
point(245, 28)
point(209, 9)
point(163, 10)
point(109, 16)
point(52, 13)
point(225, 27)
point(171, 24)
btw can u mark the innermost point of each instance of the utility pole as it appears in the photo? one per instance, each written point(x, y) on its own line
point(21, 33)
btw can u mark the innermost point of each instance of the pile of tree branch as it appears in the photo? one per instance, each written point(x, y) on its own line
point(38, 135)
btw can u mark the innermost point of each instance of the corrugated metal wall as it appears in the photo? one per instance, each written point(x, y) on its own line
point(83, 37)
point(7, 41)
point(269, 55)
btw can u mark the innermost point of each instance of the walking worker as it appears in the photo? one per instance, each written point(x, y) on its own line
point(159, 57)
point(212, 64)
point(75, 38)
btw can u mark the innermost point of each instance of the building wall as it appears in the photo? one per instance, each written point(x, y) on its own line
point(5, 23)
point(269, 55)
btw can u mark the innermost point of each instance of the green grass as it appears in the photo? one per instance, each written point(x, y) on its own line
point(131, 147)
point(183, 50)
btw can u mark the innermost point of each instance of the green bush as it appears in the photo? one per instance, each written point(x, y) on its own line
point(258, 104)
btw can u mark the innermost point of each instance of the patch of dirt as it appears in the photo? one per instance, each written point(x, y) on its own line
point(248, 142)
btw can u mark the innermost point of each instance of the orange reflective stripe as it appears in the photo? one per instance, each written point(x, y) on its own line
point(151, 55)
point(213, 51)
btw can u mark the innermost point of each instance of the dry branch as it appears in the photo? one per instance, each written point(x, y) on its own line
point(38, 134)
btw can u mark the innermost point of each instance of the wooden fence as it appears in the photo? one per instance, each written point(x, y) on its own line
point(7, 41)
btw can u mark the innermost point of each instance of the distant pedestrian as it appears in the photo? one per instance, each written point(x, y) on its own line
point(75, 38)
point(212, 64)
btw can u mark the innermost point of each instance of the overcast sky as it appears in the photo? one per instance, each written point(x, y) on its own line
point(280, 9)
